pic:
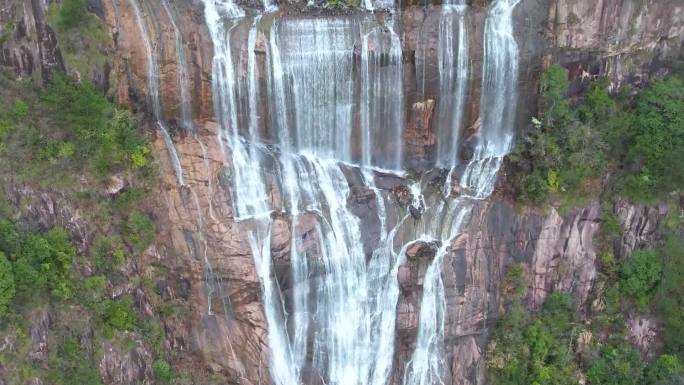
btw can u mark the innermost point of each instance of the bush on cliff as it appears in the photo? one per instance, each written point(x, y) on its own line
point(639, 276)
point(101, 134)
point(535, 349)
point(72, 13)
point(7, 288)
point(639, 141)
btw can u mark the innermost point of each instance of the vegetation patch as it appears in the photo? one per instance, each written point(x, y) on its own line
point(636, 140)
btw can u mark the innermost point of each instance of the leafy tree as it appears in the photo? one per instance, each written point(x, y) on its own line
point(656, 140)
point(72, 13)
point(535, 351)
point(664, 370)
point(669, 295)
point(554, 84)
point(162, 371)
point(139, 230)
point(7, 287)
point(97, 132)
point(640, 274)
point(616, 365)
point(120, 314)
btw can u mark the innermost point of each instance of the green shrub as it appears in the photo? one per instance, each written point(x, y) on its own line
point(664, 370)
point(554, 84)
point(616, 365)
point(534, 351)
point(162, 371)
point(71, 366)
point(7, 287)
point(20, 109)
point(139, 231)
point(72, 13)
point(98, 134)
point(656, 141)
point(107, 254)
point(565, 153)
point(669, 297)
point(39, 261)
point(639, 276)
point(119, 314)
point(535, 188)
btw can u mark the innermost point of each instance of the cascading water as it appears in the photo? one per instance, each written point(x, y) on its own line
point(453, 79)
point(333, 318)
point(317, 56)
point(382, 107)
point(153, 88)
point(500, 70)
point(311, 89)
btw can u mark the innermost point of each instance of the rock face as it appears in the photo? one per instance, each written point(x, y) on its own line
point(27, 43)
point(126, 367)
point(626, 41)
point(207, 250)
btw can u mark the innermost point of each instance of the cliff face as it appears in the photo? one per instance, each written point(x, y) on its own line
point(626, 41)
point(208, 253)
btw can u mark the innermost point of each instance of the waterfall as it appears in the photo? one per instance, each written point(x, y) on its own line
point(331, 118)
point(311, 94)
point(497, 111)
point(382, 98)
point(317, 54)
point(499, 82)
point(153, 88)
point(453, 79)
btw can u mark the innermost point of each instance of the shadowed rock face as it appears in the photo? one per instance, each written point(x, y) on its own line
point(227, 330)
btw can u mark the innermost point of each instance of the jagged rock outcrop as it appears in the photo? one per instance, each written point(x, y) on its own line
point(44, 209)
point(123, 367)
point(27, 43)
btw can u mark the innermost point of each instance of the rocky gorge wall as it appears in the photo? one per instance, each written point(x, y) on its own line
point(226, 332)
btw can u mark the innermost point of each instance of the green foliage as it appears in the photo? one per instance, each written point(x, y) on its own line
point(554, 84)
point(566, 153)
point(668, 302)
point(7, 287)
point(655, 149)
point(616, 365)
point(38, 262)
point(62, 134)
point(639, 276)
point(70, 365)
point(562, 153)
point(20, 110)
point(139, 231)
point(120, 314)
point(107, 255)
point(72, 13)
point(162, 371)
point(664, 370)
point(103, 136)
point(44, 262)
point(515, 281)
point(535, 351)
